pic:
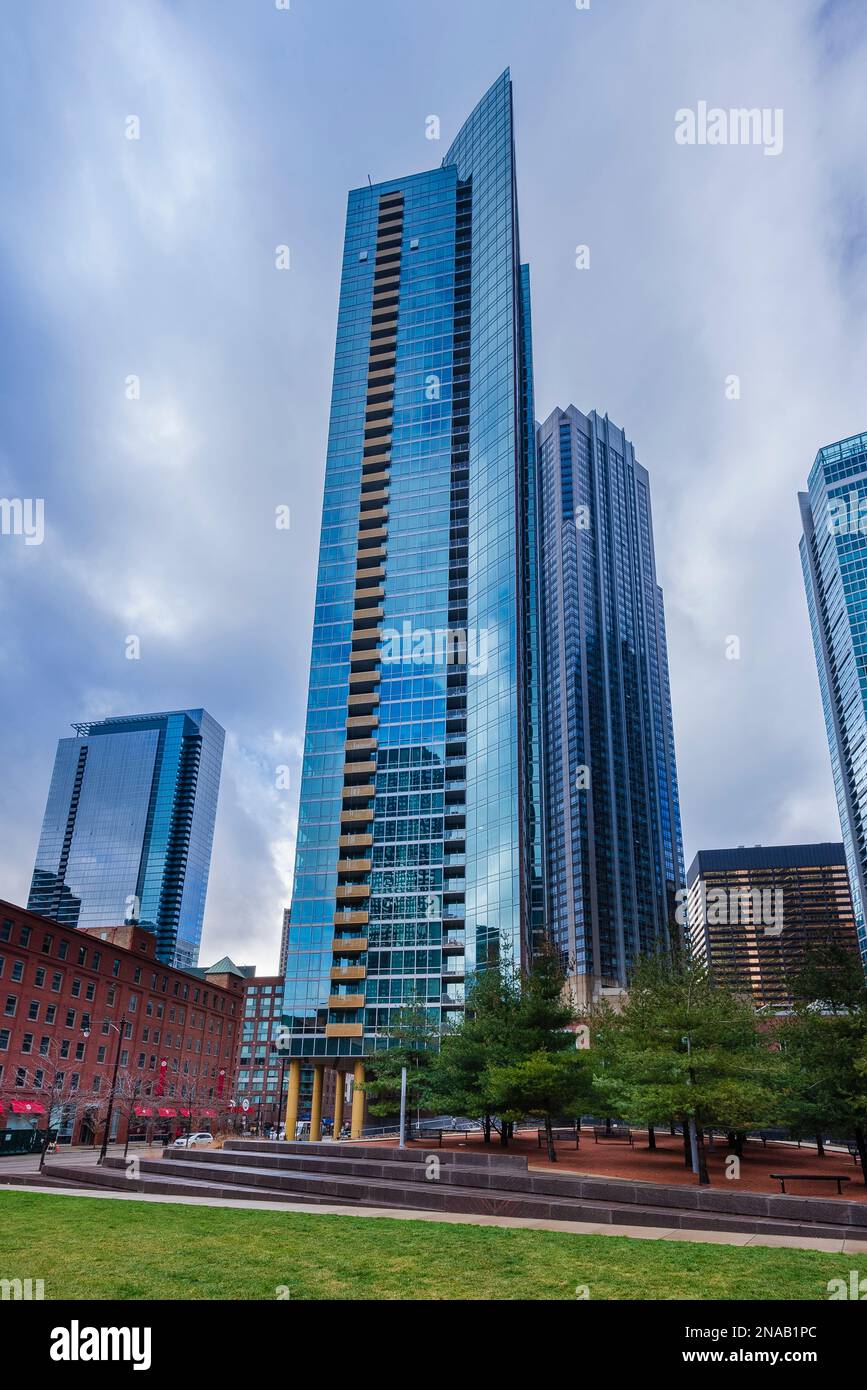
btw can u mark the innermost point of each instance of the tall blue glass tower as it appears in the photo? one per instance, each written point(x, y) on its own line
point(129, 825)
point(834, 560)
point(615, 853)
point(419, 852)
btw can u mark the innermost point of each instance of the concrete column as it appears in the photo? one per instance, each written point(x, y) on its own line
point(293, 1092)
point(339, 1084)
point(316, 1102)
point(358, 1101)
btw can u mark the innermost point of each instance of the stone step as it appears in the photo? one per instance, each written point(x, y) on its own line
point(113, 1176)
point(308, 1160)
point(415, 1153)
point(548, 1202)
point(321, 1161)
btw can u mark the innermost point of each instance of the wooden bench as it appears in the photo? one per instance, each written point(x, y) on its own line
point(561, 1133)
point(614, 1133)
point(783, 1178)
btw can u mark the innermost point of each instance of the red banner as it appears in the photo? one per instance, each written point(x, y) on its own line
point(160, 1086)
point(221, 1080)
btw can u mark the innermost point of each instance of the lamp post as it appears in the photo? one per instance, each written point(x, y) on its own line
point(104, 1146)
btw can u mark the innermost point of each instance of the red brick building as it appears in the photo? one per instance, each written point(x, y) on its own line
point(72, 1002)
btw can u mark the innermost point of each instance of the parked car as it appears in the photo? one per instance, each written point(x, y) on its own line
point(191, 1141)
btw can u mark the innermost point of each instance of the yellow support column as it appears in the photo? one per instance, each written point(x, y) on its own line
point(292, 1094)
point(358, 1101)
point(339, 1084)
point(316, 1103)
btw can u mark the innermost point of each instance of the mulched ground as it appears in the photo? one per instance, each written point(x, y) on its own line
point(613, 1158)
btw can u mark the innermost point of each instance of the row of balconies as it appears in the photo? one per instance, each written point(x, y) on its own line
point(362, 722)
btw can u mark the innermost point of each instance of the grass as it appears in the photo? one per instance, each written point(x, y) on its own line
point(91, 1248)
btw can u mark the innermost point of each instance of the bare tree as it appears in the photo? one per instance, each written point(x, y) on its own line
point(47, 1083)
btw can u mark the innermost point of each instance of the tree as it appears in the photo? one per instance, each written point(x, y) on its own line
point(539, 1070)
point(824, 1047)
point(412, 1037)
point(684, 1045)
point(549, 1084)
point(127, 1095)
point(49, 1083)
point(458, 1073)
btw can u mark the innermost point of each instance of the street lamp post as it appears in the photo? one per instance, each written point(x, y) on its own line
point(104, 1146)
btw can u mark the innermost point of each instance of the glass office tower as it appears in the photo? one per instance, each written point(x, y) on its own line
point(129, 825)
point(834, 560)
point(419, 854)
point(615, 853)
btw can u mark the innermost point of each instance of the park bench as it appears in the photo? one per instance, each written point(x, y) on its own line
point(783, 1178)
point(613, 1133)
point(853, 1149)
point(427, 1135)
point(558, 1133)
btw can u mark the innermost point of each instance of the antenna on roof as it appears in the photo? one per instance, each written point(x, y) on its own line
point(370, 180)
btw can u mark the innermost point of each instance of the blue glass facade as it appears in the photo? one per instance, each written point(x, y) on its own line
point(129, 826)
point(613, 834)
point(419, 841)
point(834, 561)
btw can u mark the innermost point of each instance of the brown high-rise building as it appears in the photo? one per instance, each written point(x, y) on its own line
point(753, 912)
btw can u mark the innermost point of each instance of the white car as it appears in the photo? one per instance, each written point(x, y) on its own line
point(190, 1141)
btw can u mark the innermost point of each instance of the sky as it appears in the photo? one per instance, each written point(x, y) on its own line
point(164, 387)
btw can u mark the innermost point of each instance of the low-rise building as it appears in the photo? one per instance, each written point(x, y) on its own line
point(75, 1004)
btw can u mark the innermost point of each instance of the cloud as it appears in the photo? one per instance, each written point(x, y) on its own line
point(155, 258)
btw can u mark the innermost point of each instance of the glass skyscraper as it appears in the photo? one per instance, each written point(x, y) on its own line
point(419, 854)
point(834, 560)
point(613, 836)
point(129, 825)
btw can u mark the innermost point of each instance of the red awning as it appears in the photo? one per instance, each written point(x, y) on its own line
point(167, 1114)
point(27, 1107)
point(183, 1112)
point(142, 1110)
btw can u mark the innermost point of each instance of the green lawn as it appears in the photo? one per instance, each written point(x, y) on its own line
point(87, 1247)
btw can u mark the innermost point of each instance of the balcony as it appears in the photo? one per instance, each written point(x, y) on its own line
point(374, 535)
point(360, 771)
point(361, 793)
point(346, 1001)
point(360, 745)
point(355, 841)
point(348, 972)
point(356, 722)
point(368, 557)
point(348, 817)
point(344, 1030)
point(351, 891)
point(359, 918)
point(349, 945)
